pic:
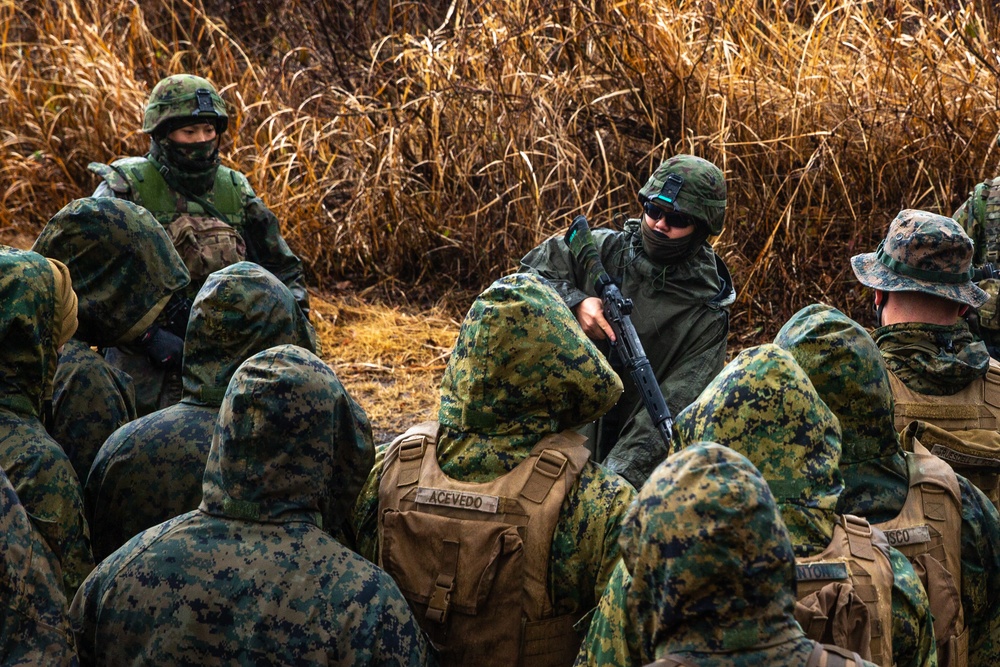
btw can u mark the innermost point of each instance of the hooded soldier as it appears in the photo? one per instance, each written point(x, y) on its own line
point(91, 398)
point(522, 372)
point(712, 570)
point(34, 628)
point(209, 211)
point(764, 406)
point(681, 291)
point(250, 577)
point(38, 317)
point(846, 368)
point(151, 469)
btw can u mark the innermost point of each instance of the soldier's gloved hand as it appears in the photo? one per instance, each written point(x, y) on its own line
point(164, 348)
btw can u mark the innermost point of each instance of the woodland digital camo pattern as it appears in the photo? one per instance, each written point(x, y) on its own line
point(933, 359)
point(702, 194)
point(764, 406)
point(151, 470)
point(521, 369)
point(123, 266)
point(922, 252)
point(121, 261)
point(712, 571)
point(34, 628)
point(681, 315)
point(35, 463)
point(250, 577)
point(848, 373)
point(846, 368)
point(174, 100)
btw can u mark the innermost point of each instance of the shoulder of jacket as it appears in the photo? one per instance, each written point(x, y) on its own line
point(238, 180)
point(118, 174)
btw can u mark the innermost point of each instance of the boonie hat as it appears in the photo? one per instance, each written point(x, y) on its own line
point(923, 252)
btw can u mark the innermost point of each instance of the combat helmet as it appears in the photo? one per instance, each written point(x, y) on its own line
point(181, 100)
point(689, 185)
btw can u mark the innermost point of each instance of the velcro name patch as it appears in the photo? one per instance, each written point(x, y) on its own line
point(460, 499)
point(900, 537)
point(829, 571)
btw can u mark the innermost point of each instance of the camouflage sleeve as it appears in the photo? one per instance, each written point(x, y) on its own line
point(980, 575)
point(395, 636)
point(44, 480)
point(585, 545)
point(607, 643)
point(364, 517)
point(267, 247)
point(83, 612)
point(639, 448)
point(913, 642)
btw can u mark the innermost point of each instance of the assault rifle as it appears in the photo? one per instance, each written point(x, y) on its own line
point(617, 311)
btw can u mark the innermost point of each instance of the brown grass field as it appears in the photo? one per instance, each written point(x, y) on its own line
point(414, 151)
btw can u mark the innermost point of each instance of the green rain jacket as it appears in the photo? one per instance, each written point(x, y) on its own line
point(520, 370)
point(681, 316)
point(36, 465)
point(123, 266)
point(34, 628)
point(764, 406)
point(151, 469)
point(847, 370)
point(708, 571)
point(250, 577)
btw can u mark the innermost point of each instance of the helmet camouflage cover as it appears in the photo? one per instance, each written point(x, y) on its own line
point(690, 185)
point(181, 100)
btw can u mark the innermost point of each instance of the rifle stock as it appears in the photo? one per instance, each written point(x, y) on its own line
point(617, 311)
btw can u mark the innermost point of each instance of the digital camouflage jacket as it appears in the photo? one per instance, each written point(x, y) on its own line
point(36, 465)
point(34, 627)
point(846, 368)
point(520, 370)
point(712, 571)
point(933, 359)
point(92, 398)
point(764, 406)
point(250, 577)
point(151, 469)
point(681, 315)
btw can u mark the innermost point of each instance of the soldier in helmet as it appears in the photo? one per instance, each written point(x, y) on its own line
point(979, 215)
point(209, 211)
point(681, 290)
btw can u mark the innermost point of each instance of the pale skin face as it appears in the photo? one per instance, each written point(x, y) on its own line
point(590, 312)
point(193, 134)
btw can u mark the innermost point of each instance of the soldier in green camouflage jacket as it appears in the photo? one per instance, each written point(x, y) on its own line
point(209, 211)
point(250, 577)
point(847, 370)
point(764, 406)
point(151, 469)
point(520, 370)
point(36, 465)
point(712, 569)
point(681, 290)
point(91, 398)
point(34, 627)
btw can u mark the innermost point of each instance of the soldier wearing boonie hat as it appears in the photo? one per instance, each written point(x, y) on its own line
point(681, 291)
point(939, 371)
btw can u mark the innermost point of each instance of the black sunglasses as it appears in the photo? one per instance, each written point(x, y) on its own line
point(675, 220)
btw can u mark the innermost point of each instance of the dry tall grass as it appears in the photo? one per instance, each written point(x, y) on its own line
point(424, 147)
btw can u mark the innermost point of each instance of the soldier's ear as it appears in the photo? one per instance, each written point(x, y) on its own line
point(879, 297)
point(963, 310)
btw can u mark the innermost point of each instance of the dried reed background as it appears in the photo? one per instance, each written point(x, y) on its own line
point(415, 150)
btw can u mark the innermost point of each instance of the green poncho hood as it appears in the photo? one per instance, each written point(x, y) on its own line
point(520, 369)
point(711, 563)
point(239, 311)
point(122, 262)
point(846, 368)
point(288, 437)
point(764, 406)
point(27, 331)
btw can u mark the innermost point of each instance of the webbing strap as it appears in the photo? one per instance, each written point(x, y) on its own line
point(548, 468)
point(859, 536)
point(437, 606)
point(411, 453)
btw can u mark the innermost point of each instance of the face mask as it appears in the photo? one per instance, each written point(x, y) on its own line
point(664, 250)
point(193, 158)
